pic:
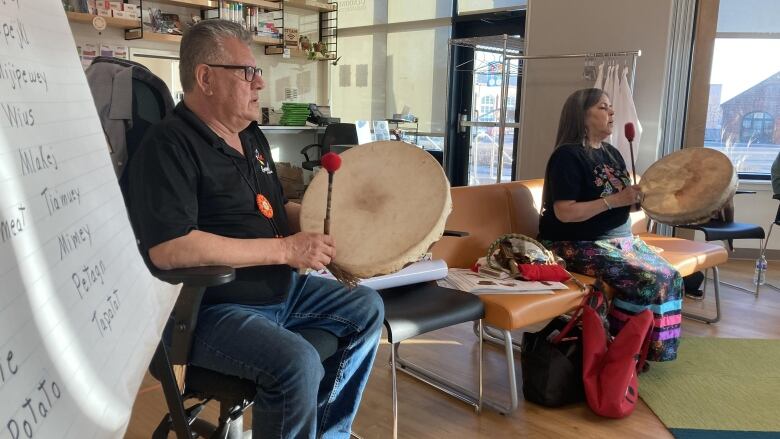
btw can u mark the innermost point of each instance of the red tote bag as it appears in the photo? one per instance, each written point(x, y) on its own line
point(610, 369)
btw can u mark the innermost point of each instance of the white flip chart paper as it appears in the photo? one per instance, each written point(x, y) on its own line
point(80, 315)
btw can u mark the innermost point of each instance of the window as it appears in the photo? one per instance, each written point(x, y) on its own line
point(380, 76)
point(487, 109)
point(757, 127)
point(744, 96)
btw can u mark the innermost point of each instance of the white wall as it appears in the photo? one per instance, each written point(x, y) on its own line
point(574, 26)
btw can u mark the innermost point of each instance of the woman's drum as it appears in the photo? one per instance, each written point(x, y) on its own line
point(390, 201)
point(688, 186)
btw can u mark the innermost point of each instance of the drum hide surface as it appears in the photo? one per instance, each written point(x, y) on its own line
point(390, 201)
point(688, 186)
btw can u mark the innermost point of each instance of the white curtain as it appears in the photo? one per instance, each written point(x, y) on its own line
point(609, 88)
point(625, 111)
point(600, 77)
point(616, 85)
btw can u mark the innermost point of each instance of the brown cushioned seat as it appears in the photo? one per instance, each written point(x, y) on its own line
point(489, 211)
point(685, 255)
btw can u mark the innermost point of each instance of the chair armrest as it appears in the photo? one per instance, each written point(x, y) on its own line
point(195, 280)
point(456, 233)
point(197, 276)
point(308, 147)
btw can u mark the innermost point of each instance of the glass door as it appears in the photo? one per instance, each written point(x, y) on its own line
point(487, 153)
point(475, 150)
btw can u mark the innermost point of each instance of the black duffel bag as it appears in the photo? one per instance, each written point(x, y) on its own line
point(552, 372)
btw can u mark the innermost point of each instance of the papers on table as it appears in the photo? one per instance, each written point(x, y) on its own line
point(467, 280)
point(422, 271)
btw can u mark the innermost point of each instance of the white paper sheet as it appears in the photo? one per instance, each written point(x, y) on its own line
point(422, 271)
point(80, 315)
point(467, 280)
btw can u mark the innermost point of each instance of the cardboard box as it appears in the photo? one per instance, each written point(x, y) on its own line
point(128, 7)
point(125, 15)
point(291, 178)
point(274, 50)
point(115, 6)
point(104, 12)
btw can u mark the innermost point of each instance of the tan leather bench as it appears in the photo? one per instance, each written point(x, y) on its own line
point(489, 211)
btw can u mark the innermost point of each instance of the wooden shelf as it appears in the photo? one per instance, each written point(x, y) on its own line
point(299, 53)
point(267, 41)
point(212, 4)
point(161, 38)
point(201, 4)
point(312, 5)
point(122, 23)
point(166, 38)
point(270, 5)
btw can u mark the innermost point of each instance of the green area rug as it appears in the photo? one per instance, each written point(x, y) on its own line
point(717, 388)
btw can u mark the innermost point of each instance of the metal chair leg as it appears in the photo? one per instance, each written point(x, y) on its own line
point(393, 352)
point(716, 286)
point(504, 338)
point(481, 368)
point(495, 336)
point(510, 364)
point(398, 363)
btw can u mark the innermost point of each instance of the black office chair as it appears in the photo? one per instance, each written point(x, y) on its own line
point(717, 230)
point(151, 102)
point(766, 241)
point(335, 134)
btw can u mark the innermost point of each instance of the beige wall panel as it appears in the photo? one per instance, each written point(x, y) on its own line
point(573, 26)
point(358, 82)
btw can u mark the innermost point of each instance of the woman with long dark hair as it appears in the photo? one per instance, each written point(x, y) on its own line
point(588, 195)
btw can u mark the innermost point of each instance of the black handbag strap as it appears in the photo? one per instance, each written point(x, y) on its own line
point(577, 317)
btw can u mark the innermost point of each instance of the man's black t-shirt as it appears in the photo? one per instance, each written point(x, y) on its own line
point(577, 173)
point(184, 177)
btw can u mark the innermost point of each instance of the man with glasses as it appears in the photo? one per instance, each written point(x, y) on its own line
point(204, 191)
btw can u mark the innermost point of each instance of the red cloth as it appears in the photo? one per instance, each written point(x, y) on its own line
point(553, 273)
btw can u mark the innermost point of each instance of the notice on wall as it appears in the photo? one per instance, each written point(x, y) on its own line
point(80, 315)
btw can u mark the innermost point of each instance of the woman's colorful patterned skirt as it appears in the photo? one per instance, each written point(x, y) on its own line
point(643, 280)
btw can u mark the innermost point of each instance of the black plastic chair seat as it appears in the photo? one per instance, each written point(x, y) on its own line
point(718, 230)
point(416, 309)
point(201, 381)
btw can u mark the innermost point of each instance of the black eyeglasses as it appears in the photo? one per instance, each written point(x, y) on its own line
point(249, 71)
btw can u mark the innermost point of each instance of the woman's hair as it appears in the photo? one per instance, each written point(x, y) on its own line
point(202, 44)
point(571, 126)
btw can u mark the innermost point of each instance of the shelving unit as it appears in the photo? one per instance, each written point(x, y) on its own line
point(199, 4)
point(161, 38)
point(121, 23)
point(133, 28)
point(328, 28)
point(311, 5)
point(295, 52)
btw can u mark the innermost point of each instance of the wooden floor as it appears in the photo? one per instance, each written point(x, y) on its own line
point(427, 413)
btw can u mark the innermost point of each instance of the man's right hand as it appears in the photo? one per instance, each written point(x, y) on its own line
point(309, 250)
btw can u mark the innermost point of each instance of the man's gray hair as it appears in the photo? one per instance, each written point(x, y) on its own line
point(202, 44)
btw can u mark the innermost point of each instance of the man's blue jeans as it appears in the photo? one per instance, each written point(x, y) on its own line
point(297, 395)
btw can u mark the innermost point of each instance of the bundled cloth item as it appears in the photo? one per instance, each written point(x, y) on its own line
point(546, 272)
point(520, 257)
